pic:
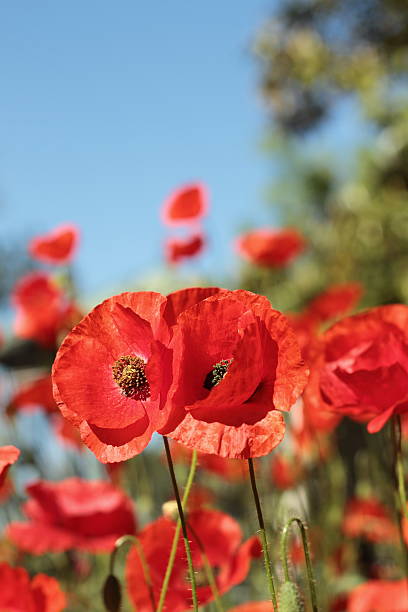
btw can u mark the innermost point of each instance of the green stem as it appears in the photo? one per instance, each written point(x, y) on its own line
point(183, 525)
point(176, 536)
point(399, 465)
point(262, 532)
point(306, 549)
point(400, 485)
point(208, 572)
point(145, 566)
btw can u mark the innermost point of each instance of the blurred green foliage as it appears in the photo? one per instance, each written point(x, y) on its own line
point(315, 55)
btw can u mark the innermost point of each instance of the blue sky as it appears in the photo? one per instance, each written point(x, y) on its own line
point(106, 107)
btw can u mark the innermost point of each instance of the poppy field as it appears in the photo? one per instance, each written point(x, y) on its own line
point(221, 455)
point(204, 406)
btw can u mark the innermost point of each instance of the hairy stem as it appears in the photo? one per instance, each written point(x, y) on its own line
point(262, 532)
point(183, 526)
point(306, 549)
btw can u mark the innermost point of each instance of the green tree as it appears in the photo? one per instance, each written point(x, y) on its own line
point(316, 57)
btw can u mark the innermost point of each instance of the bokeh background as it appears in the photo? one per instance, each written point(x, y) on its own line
point(291, 112)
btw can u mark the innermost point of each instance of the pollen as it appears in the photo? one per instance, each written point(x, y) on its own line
point(129, 374)
point(216, 375)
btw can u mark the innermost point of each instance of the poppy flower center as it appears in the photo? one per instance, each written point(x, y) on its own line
point(129, 374)
point(216, 375)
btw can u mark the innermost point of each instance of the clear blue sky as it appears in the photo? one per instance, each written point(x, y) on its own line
point(107, 106)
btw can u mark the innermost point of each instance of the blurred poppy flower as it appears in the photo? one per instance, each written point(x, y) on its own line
point(335, 301)
point(271, 248)
point(379, 596)
point(253, 606)
point(66, 432)
point(56, 247)
point(306, 327)
point(216, 534)
point(34, 394)
point(73, 513)
point(186, 205)
point(8, 456)
point(369, 519)
point(112, 372)
point(177, 249)
point(231, 469)
point(42, 309)
point(285, 472)
point(239, 365)
point(363, 371)
point(21, 593)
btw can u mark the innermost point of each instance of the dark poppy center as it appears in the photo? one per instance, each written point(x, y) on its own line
point(216, 375)
point(129, 374)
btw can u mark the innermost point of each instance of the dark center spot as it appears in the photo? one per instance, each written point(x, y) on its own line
point(129, 374)
point(216, 375)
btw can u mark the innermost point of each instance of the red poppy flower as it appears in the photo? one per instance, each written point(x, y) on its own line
point(370, 519)
point(379, 596)
point(8, 456)
point(112, 372)
point(187, 204)
point(238, 365)
point(42, 309)
point(211, 531)
point(271, 248)
point(230, 469)
point(306, 327)
point(56, 247)
point(177, 249)
point(34, 394)
point(336, 301)
point(74, 513)
point(66, 432)
point(364, 368)
point(285, 473)
point(253, 606)
point(20, 593)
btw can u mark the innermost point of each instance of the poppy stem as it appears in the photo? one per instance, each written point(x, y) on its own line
point(262, 532)
point(306, 550)
point(143, 561)
point(208, 572)
point(400, 484)
point(183, 524)
point(176, 537)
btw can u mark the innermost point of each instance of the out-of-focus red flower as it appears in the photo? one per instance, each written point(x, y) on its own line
point(239, 365)
point(34, 394)
point(230, 469)
point(56, 247)
point(8, 456)
point(271, 248)
point(42, 309)
point(186, 205)
point(339, 603)
point(253, 606)
point(364, 366)
point(285, 472)
point(379, 596)
point(335, 301)
point(74, 513)
point(66, 432)
point(370, 519)
point(214, 532)
point(20, 593)
point(177, 249)
point(306, 328)
point(112, 373)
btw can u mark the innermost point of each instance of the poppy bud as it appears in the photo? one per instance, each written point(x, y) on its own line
point(170, 510)
point(289, 598)
point(112, 594)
